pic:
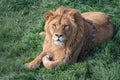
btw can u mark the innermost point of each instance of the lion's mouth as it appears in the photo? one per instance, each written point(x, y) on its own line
point(58, 42)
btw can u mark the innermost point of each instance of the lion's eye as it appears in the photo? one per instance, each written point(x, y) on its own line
point(65, 27)
point(54, 26)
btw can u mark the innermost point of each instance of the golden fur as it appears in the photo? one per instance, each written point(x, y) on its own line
point(69, 34)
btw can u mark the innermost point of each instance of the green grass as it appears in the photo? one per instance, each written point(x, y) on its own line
point(20, 24)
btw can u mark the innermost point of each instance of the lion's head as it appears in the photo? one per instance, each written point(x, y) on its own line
point(63, 25)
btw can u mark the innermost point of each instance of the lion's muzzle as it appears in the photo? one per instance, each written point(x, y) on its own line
point(58, 39)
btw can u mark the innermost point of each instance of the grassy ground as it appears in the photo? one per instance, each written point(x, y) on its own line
point(20, 24)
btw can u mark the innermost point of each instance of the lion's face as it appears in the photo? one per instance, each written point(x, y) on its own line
point(62, 28)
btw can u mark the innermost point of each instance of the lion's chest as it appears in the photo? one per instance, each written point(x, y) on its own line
point(57, 54)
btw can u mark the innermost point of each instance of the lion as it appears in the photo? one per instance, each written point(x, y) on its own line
point(68, 34)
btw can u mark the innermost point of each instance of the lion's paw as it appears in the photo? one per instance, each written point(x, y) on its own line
point(46, 61)
point(32, 65)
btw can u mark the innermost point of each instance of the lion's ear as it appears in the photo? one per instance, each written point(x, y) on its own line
point(49, 14)
point(74, 15)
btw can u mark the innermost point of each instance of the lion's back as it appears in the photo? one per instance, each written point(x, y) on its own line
point(104, 27)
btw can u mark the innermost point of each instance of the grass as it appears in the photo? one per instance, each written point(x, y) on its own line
point(20, 24)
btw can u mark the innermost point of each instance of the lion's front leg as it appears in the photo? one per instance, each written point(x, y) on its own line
point(49, 63)
point(36, 62)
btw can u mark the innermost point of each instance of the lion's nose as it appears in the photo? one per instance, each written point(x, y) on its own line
point(59, 35)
